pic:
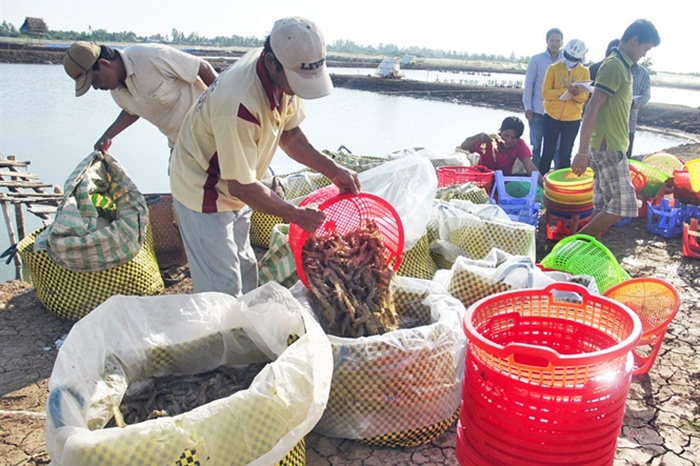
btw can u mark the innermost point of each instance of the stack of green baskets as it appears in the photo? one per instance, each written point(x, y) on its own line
point(584, 255)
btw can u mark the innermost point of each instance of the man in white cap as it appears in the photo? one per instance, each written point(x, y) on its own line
point(157, 82)
point(227, 142)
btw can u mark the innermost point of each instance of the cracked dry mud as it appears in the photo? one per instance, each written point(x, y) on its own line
point(662, 420)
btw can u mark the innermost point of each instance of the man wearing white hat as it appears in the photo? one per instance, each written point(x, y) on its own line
point(152, 81)
point(227, 142)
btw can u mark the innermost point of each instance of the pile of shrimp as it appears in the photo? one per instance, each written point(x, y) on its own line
point(350, 282)
point(177, 394)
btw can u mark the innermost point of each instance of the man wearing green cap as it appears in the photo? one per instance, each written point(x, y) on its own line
point(153, 81)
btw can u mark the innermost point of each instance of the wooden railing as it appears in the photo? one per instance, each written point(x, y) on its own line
point(23, 190)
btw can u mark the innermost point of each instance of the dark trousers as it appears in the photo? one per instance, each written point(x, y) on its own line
point(565, 132)
point(629, 149)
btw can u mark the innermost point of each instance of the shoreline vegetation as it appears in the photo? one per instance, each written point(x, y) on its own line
point(675, 119)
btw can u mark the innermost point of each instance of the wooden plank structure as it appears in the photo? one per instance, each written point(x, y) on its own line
point(23, 190)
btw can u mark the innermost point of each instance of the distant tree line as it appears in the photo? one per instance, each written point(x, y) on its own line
point(180, 38)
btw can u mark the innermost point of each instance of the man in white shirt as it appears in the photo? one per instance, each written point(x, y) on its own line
point(532, 94)
point(153, 81)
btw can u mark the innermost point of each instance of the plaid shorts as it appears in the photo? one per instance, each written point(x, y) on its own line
point(613, 191)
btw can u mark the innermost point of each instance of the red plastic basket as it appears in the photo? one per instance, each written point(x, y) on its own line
point(457, 174)
point(682, 190)
point(559, 227)
point(546, 378)
point(691, 239)
point(656, 303)
point(639, 180)
point(345, 213)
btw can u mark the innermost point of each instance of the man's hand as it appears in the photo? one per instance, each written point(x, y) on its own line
point(347, 180)
point(579, 164)
point(103, 144)
point(528, 114)
point(308, 218)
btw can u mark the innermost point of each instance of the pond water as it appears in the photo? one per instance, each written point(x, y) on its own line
point(41, 121)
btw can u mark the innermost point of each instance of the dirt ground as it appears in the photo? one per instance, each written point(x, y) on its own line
point(661, 427)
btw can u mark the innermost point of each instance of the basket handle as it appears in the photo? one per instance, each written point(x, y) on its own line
point(555, 289)
point(531, 355)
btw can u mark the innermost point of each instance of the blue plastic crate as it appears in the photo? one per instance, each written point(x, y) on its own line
point(524, 213)
point(665, 219)
point(689, 211)
point(520, 209)
point(500, 195)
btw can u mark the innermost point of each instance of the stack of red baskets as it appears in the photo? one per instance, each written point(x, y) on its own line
point(458, 174)
point(568, 199)
point(684, 192)
point(547, 376)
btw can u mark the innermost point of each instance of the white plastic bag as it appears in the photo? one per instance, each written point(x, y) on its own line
point(409, 184)
point(128, 340)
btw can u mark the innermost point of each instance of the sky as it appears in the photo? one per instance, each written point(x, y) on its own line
point(490, 27)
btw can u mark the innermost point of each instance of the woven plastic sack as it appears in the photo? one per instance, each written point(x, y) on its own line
point(464, 191)
point(261, 226)
point(473, 230)
point(101, 221)
point(470, 280)
point(72, 295)
point(167, 242)
point(128, 340)
point(302, 183)
point(417, 261)
point(358, 163)
point(402, 388)
point(277, 264)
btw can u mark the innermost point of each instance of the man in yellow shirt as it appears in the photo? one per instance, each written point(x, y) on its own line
point(227, 142)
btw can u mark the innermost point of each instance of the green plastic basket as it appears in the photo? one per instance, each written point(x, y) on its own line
point(584, 255)
point(565, 177)
point(656, 179)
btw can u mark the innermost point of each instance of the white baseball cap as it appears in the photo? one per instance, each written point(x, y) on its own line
point(299, 46)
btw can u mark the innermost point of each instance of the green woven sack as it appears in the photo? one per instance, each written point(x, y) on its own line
point(359, 163)
point(277, 265)
point(101, 221)
point(465, 192)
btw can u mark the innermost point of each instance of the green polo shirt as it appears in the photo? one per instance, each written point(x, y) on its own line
point(612, 124)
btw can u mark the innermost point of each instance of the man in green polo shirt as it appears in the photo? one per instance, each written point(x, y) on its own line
point(605, 131)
